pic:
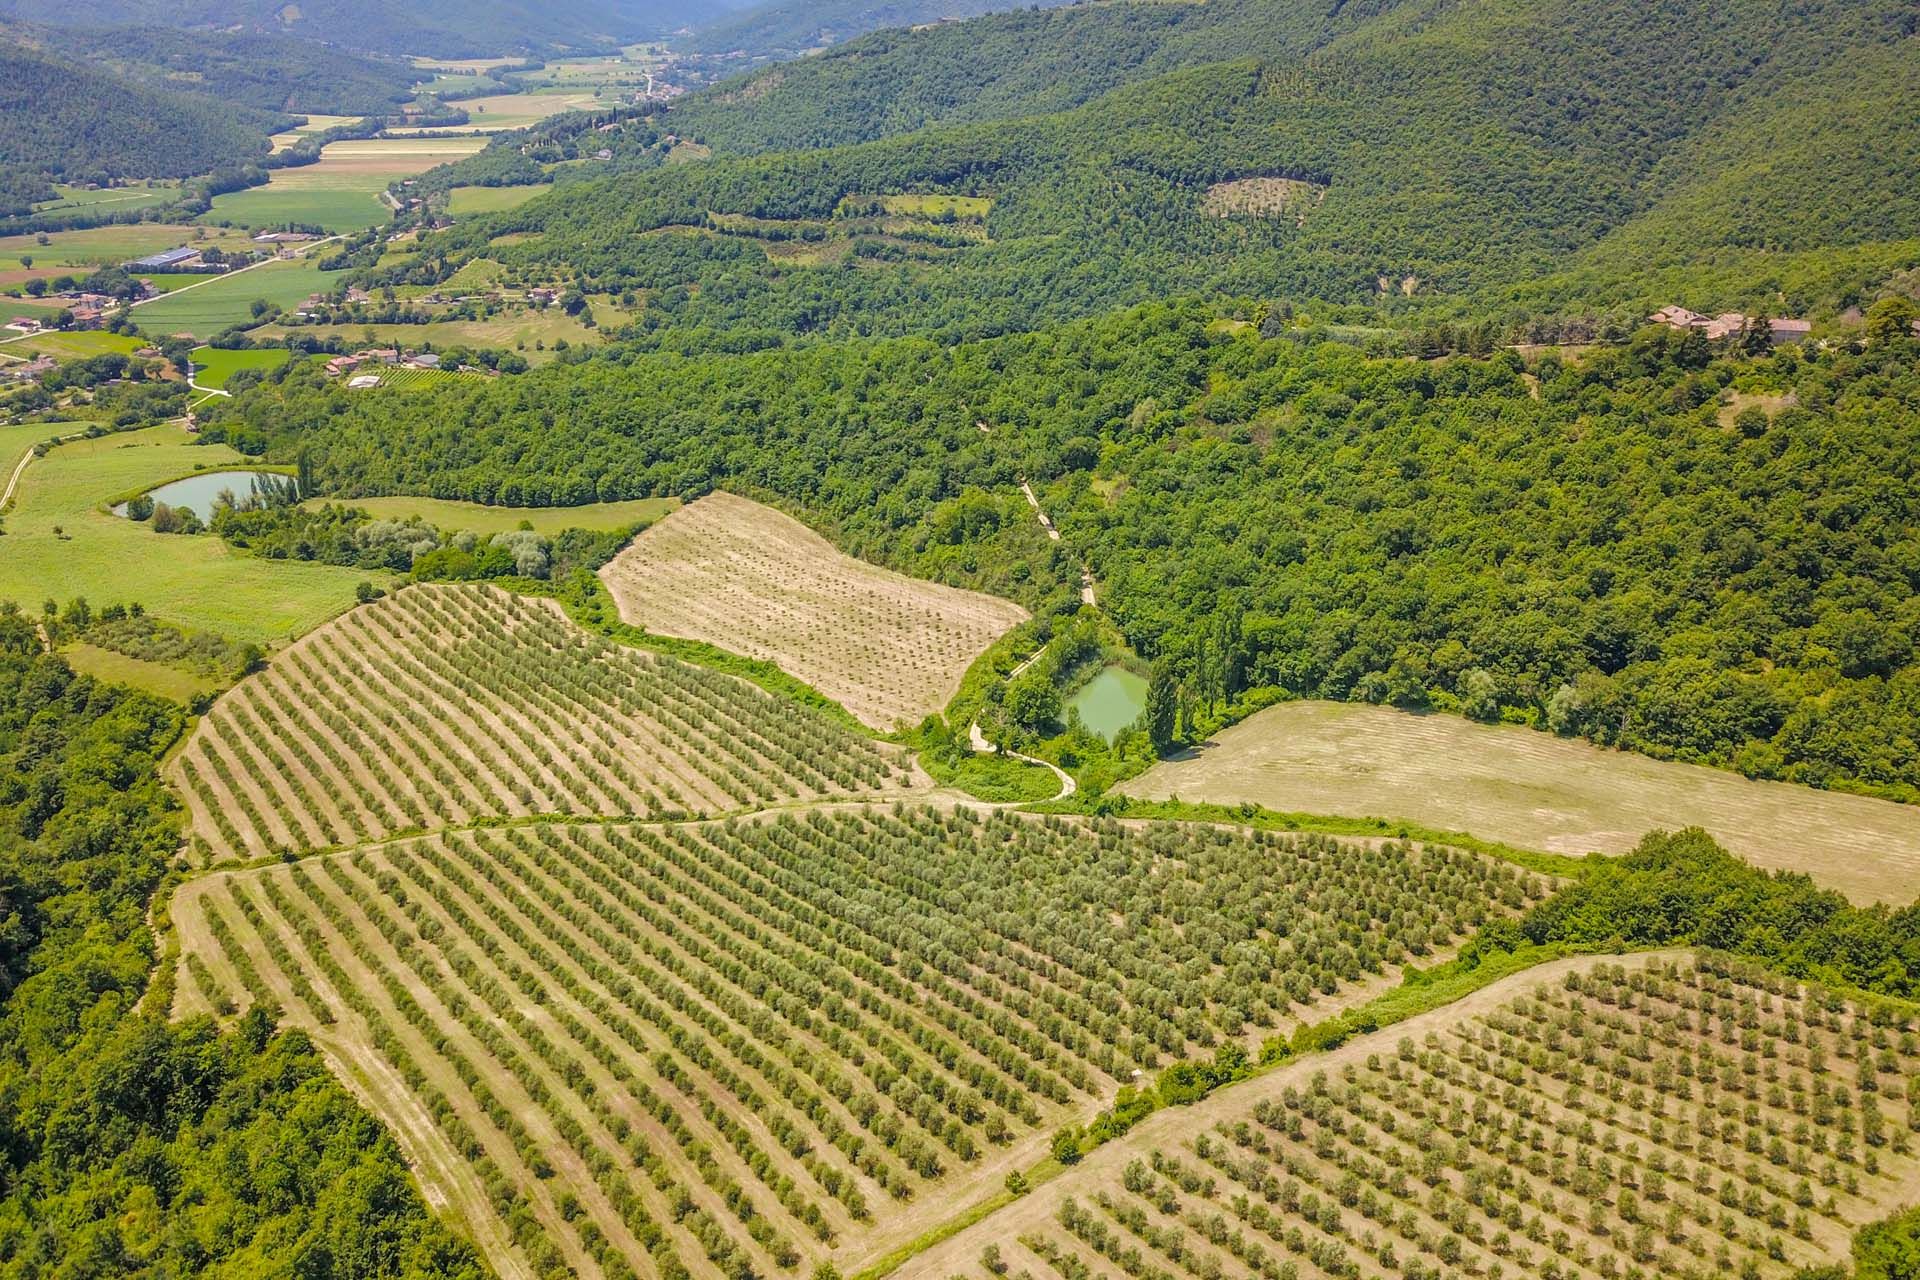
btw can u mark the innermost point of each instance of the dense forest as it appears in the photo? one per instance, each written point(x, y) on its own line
point(62, 120)
point(786, 30)
point(264, 72)
point(130, 1145)
point(1629, 548)
point(1446, 162)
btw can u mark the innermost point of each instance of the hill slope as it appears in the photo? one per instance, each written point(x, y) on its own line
point(785, 30)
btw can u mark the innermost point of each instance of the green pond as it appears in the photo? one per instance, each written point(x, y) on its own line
point(1110, 701)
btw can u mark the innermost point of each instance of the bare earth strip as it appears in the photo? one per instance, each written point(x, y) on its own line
point(744, 577)
point(1539, 791)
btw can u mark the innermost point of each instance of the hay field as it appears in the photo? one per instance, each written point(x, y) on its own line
point(1664, 1117)
point(341, 192)
point(774, 1042)
point(1501, 782)
point(736, 574)
point(448, 706)
point(445, 513)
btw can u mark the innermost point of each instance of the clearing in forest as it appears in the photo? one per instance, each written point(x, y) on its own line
point(764, 1043)
point(1503, 782)
point(1667, 1118)
point(744, 577)
point(449, 706)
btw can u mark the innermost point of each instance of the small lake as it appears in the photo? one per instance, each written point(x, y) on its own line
point(197, 493)
point(1110, 701)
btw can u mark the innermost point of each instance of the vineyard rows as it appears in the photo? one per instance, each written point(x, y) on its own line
point(446, 706)
point(750, 1045)
point(751, 580)
point(1669, 1120)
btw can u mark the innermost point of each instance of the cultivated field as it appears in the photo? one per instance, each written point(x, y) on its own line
point(1539, 791)
point(341, 192)
point(749, 579)
point(453, 516)
point(108, 246)
point(212, 367)
point(447, 706)
point(229, 299)
point(469, 200)
point(62, 542)
point(763, 1043)
point(1660, 1118)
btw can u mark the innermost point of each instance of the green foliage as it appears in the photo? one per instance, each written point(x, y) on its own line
point(1682, 888)
point(133, 1146)
point(1889, 1250)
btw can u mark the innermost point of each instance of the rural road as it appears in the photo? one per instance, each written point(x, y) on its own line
point(13, 481)
point(979, 742)
point(1053, 534)
point(228, 275)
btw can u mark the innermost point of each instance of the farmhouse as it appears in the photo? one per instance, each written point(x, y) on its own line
point(30, 370)
point(1731, 324)
point(342, 364)
point(425, 360)
point(364, 382)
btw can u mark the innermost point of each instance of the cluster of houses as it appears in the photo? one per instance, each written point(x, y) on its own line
point(1731, 324)
point(28, 370)
point(89, 311)
point(341, 366)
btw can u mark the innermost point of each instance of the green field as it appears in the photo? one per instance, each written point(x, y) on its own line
point(205, 311)
point(455, 516)
point(78, 345)
point(512, 330)
point(15, 441)
point(197, 582)
point(212, 367)
point(467, 200)
point(116, 198)
point(154, 677)
point(342, 191)
point(103, 246)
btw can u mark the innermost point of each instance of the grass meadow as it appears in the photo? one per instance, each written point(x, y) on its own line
point(198, 582)
point(342, 191)
point(210, 308)
point(212, 367)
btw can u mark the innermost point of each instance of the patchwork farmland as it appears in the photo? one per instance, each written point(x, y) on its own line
point(446, 706)
point(746, 1045)
point(1671, 1117)
point(744, 577)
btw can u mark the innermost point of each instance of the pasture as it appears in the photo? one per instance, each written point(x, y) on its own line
point(1527, 788)
point(341, 192)
point(155, 677)
point(446, 706)
point(66, 251)
point(513, 330)
point(117, 199)
point(62, 542)
point(1667, 1117)
point(212, 367)
point(751, 580)
point(443, 513)
point(763, 1044)
point(228, 300)
point(463, 201)
point(77, 344)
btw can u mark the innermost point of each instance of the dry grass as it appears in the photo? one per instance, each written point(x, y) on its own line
point(1263, 198)
point(736, 574)
point(1539, 791)
point(448, 706)
point(1619, 1127)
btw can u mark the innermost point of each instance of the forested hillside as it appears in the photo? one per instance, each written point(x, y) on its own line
point(785, 30)
point(439, 28)
point(63, 120)
point(268, 73)
point(1616, 556)
point(131, 1145)
point(1469, 152)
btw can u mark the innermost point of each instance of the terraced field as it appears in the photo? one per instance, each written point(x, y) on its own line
point(1657, 1118)
point(447, 706)
point(746, 1046)
point(736, 574)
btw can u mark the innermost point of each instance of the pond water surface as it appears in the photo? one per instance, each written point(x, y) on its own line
point(197, 493)
point(1110, 701)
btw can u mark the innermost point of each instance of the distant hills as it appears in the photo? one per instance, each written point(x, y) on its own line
point(788, 28)
point(438, 28)
point(1550, 156)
